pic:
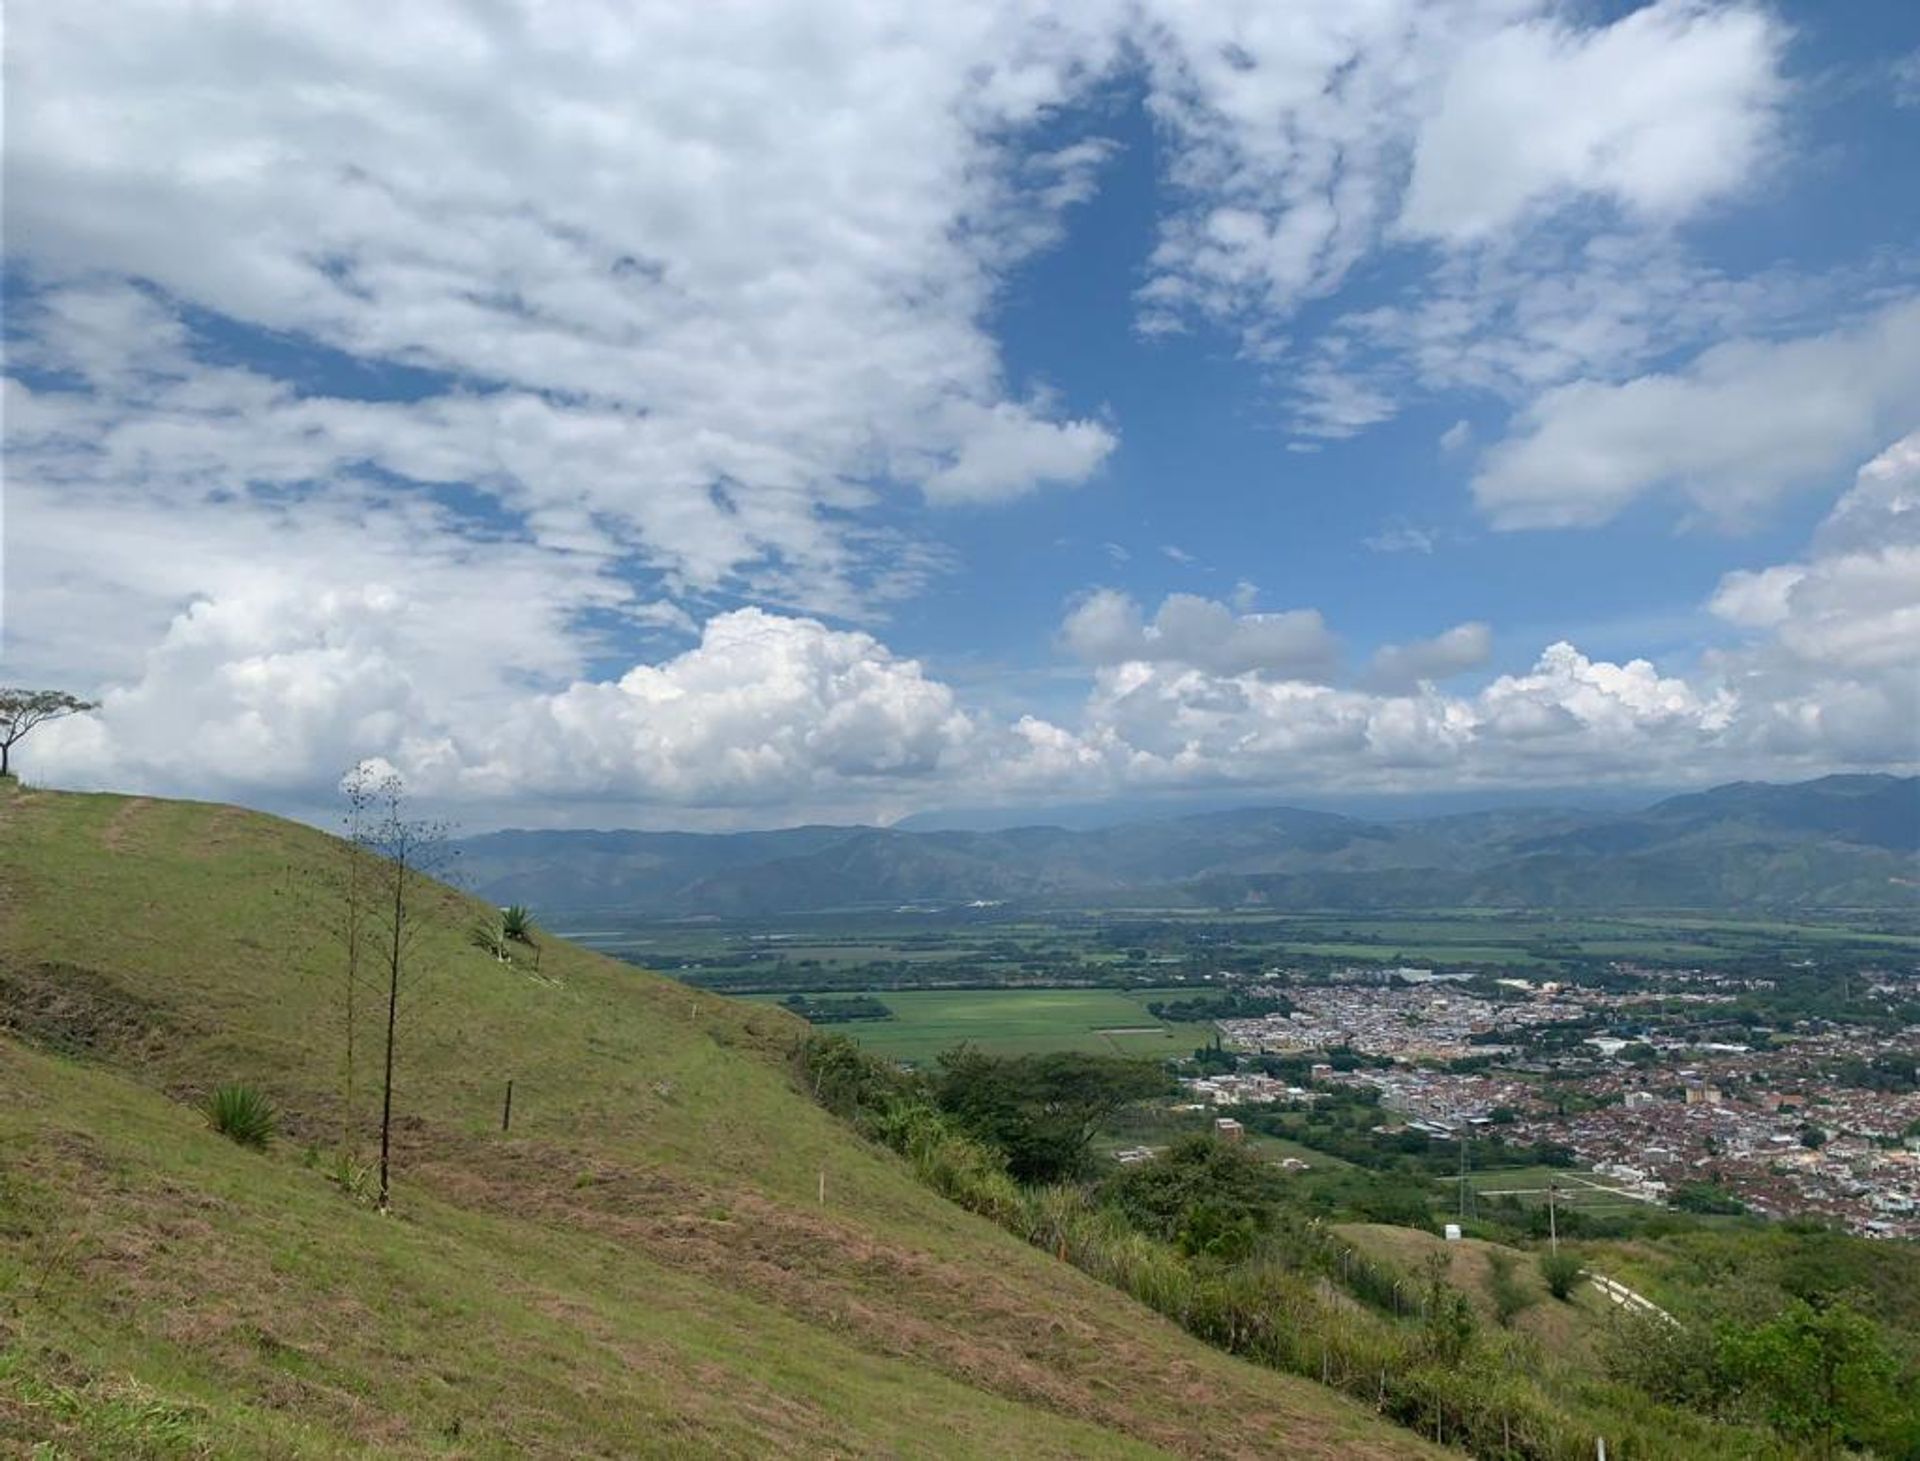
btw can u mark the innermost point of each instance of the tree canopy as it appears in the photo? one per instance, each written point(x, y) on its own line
point(1042, 1110)
point(22, 710)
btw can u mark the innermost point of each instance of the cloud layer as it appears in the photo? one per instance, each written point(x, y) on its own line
point(267, 688)
point(558, 412)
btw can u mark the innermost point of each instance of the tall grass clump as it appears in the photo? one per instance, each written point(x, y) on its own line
point(240, 1113)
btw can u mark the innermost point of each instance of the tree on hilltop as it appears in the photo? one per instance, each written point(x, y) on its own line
point(22, 710)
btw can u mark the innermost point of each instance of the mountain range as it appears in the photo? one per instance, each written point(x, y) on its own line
point(1840, 841)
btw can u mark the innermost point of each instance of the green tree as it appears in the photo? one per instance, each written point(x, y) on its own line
point(1197, 1189)
point(1819, 1375)
point(1041, 1110)
point(23, 710)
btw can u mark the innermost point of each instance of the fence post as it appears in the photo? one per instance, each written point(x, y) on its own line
point(506, 1111)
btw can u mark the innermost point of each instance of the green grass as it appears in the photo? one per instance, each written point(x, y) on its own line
point(644, 1265)
point(1585, 1190)
point(1024, 1021)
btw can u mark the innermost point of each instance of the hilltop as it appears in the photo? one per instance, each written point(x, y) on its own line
point(1841, 841)
point(674, 1250)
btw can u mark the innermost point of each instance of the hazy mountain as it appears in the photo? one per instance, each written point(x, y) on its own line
point(1841, 840)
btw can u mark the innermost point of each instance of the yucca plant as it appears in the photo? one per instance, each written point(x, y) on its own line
point(242, 1114)
point(516, 922)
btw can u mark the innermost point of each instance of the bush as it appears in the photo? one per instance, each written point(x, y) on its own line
point(516, 922)
point(1560, 1272)
point(1510, 1298)
point(242, 1114)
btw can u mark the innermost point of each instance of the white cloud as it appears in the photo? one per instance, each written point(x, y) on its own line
point(1742, 423)
point(1906, 79)
point(1005, 450)
point(1568, 719)
point(1830, 667)
point(1402, 537)
point(1294, 126)
point(1402, 666)
point(386, 375)
point(704, 279)
point(1107, 628)
point(765, 709)
point(272, 690)
point(1757, 598)
point(1665, 110)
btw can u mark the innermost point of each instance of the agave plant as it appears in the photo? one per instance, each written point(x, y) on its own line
point(516, 922)
point(242, 1114)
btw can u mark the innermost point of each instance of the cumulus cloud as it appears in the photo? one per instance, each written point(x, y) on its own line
point(765, 709)
point(1401, 666)
point(269, 689)
point(1663, 111)
point(1107, 628)
point(1569, 718)
point(1742, 423)
point(1830, 665)
point(1005, 450)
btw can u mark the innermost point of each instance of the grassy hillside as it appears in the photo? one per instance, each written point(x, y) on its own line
point(1565, 1330)
point(644, 1265)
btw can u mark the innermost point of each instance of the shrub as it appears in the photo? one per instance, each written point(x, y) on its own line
point(516, 922)
point(490, 941)
point(1509, 1297)
point(1560, 1272)
point(242, 1114)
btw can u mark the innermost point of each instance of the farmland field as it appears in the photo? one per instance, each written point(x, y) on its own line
point(973, 949)
point(1577, 1189)
point(1024, 1021)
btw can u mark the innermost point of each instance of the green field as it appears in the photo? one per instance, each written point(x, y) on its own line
point(1577, 1189)
point(971, 949)
point(1024, 1022)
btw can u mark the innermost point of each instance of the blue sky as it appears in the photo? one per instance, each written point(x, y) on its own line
point(727, 419)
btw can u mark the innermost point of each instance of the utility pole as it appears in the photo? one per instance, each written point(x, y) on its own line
point(1463, 1173)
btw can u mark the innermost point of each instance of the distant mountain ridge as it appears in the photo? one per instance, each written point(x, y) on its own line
point(1836, 841)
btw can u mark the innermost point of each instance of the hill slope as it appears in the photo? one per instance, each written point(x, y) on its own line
point(645, 1264)
point(1838, 841)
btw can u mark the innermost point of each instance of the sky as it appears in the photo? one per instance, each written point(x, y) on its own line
point(741, 414)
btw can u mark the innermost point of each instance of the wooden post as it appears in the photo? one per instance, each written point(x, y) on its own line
point(823, 1184)
point(506, 1111)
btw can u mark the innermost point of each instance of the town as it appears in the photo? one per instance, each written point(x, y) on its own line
point(1659, 1083)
